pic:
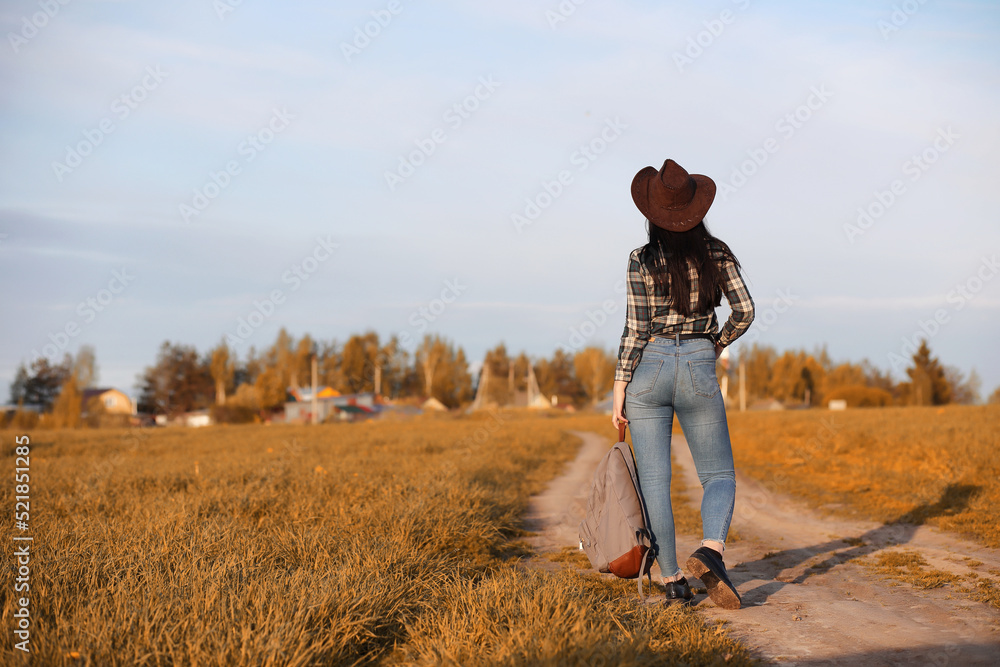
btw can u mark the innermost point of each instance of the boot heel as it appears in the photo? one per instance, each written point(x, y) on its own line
point(713, 575)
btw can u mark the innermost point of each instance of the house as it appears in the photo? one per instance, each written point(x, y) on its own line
point(305, 393)
point(111, 401)
point(197, 418)
point(194, 418)
point(345, 407)
point(767, 404)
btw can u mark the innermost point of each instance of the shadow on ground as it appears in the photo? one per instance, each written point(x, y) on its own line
point(900, 530)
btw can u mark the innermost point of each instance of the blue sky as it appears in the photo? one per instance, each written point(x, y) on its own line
point(279, 141)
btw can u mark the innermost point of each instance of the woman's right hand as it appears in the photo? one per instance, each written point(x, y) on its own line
point(618, 404)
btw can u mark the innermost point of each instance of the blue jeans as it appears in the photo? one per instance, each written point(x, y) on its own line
point(680, 378)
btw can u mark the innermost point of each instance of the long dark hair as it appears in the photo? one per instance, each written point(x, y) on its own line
point(668, 256)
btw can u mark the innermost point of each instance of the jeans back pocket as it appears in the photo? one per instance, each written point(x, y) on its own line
point(644, 377)
point(703, 377)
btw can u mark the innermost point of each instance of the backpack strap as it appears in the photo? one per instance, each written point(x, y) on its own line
point(645, 516)
point(630, 463)
point(645, 558)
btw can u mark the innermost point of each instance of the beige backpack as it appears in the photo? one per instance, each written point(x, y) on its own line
point(614, 531)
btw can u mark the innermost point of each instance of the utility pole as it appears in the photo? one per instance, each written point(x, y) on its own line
point(315, 398)
point(743, 385)
point(510, 382)
point(724, 382)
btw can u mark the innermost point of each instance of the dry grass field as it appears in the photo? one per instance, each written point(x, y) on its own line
point(385, 543)
point(919, 465)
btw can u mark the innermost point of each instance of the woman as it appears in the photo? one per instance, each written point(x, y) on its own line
point(666, 365)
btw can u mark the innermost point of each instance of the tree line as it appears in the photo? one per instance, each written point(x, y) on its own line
point(243, 389)
point(797, 377)
point(236, 389)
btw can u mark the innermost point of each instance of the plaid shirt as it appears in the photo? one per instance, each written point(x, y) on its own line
point(649, 313)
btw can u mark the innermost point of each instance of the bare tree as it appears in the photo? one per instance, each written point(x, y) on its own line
point(301, 372)
point(429, 355)
point(67, 412)
point(222, 367)
point(595, 369)
point(85, 367)
point(556, 378)
point(357, 363)
point(964, 391)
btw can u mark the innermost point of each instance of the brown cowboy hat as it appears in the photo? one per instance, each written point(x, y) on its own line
point(671, 198)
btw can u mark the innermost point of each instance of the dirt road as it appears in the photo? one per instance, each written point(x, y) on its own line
point(804, 602)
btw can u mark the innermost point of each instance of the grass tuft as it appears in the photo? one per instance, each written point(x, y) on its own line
point(909, 566)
